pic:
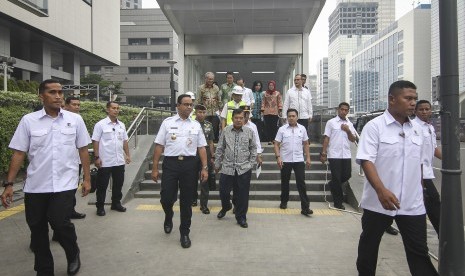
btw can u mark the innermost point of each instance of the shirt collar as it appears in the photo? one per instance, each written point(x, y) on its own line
point(108, 120)
point(233, 129)
point(340, 119)
point(389, 119)
point(177, 117)
point(421, 122)
point(42, 113)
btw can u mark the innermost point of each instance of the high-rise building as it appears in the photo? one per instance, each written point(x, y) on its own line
point(49, 41)
point(322, 83)
point(131, 4)
point(350, 25)
point(435, 58)
point(401, 51)
point(147, 43)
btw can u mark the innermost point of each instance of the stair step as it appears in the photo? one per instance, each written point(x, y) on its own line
point(270, 165)
point(255, 185)
point(314, 196)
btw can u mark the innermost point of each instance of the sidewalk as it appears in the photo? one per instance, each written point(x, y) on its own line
point(276, 243)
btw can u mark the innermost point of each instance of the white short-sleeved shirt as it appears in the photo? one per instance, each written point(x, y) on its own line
point(396, 152)
point(430, 144)
point(291, 139)
point(50, 144)
point(253, 127)
point(110, 137)
point(339, 144)
point(180, 137)
point(248, 96)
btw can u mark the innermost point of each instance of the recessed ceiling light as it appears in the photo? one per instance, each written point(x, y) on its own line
point(263, 72)
point(217, 20)
point(226, 72)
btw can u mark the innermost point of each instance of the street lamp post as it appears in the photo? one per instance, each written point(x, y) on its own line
point(173, 92)
point(7, 65)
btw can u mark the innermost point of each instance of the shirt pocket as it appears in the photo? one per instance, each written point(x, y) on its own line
point(107, 134)
point(38, 138)
point(389, 146)
point(416, 146)
point(68, 135)
point(120, 134)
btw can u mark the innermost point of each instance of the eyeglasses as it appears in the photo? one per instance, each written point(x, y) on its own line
point(187, 104)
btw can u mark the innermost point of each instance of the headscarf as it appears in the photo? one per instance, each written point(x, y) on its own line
point(255, 84)
point(271, 91)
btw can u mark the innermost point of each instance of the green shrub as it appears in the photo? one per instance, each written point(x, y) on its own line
point(14, 105)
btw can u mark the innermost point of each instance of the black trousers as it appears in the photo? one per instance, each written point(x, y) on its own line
point(178, 174)
point(240, 184)
point(341, 171)
point(432, 203)
point(204, 186)
point(260, 128)
point(271, 126)
point(413, 231)
point(216, 126)
point(54, 208)
point(103, 177)
point(299, 171)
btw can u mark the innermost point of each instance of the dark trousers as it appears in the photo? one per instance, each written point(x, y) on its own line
point(204, 186)
point(260, 128)
point(304, 122)
point(103, 176)
point(216, 126)
point(299, 171)
point(271, 126)
point(413, 231)
point(432, 203)
point(240, 184)
point(53, 208)
point(178, 174)
point(341, 171)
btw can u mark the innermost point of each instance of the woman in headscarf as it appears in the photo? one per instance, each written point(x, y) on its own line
point(272, 106)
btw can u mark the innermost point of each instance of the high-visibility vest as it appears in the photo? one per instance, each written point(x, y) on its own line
point(192, 114)
point(231, 107)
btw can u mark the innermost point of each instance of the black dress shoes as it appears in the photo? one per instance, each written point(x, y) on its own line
point(76, 215)
point(185, 241)
point(390, 230)
point(74, 265)
point(194, 203)
point(243, 223)
point(100, 212)
point(339, 206)
point(283, 206)
point(306, 212)
point(222, 212)
point(168, 226)
point(205, 210)
point(118, 207)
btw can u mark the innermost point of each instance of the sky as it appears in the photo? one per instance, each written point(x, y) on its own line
point(319, 32)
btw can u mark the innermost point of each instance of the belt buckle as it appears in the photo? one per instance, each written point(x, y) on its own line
point(180, 157)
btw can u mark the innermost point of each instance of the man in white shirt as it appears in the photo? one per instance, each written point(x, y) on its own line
point(431, 150)
point(339, 133)
point(299, 98)
point(50, 137)
point(390, 153)
point(235, 103)
point(248, 94)
point(293, 139)
point(111, 153)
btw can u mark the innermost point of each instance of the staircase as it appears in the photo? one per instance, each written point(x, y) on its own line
point(268, 186)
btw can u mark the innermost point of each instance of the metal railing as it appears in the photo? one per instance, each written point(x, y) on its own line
point(146, 114)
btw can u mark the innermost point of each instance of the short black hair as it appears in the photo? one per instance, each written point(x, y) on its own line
point(182, 96)
point(44, 83)
point(237, 111)
point(200, 107)
point(71, 98)
point(397, 86)
point(229, 73)
point(239, 78)
point(303, 76)
point(292, 110)
point(422, 102)
point(110, 102)
point(344, 103)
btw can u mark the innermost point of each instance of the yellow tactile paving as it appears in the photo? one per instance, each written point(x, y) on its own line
point(253, 210)
point(11, 211)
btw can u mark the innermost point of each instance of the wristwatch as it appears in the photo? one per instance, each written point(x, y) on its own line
point(205, 167)
point(6, 183)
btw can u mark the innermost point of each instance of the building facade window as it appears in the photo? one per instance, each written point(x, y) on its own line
point(160, 41)
point(160, 70)
point(137, 41)
point(160, 55)
point(137, 55)
point(137, 70)
point(88, 2)
point(39, 7)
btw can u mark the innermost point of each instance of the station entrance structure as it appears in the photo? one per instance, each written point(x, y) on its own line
point(259, 39)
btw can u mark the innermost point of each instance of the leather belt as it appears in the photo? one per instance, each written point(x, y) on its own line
point(180, 157)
